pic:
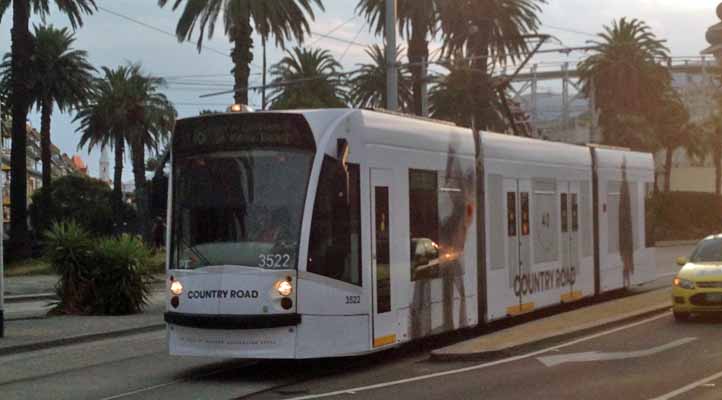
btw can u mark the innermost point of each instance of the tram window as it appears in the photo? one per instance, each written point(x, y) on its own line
point(546, 222)
point(335, 241)
point(511, 213)
point(424, 224)
point(525, 214)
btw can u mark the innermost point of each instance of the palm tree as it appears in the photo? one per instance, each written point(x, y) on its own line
point(282, 19)
point(102, 121)
point(368, 83)
point(491, 32)
point(22, 51)
point(307, 79)
point(418, 21)
point(62, 76)
point(707, 143)
point(672, 129)
point(624, 73)
point(451, 98)
point(126, 107)
point(153, 118)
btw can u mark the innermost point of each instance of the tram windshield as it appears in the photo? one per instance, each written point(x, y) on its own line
point(240, 208)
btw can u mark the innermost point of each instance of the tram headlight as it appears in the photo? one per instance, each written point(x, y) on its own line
point(284, 287)
point(176, 288)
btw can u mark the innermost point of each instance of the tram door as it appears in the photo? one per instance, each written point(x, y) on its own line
point(383, 231)
point(518, 233)
point(571, 237)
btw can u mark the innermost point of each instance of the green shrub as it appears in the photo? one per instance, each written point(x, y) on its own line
point(70, 251)
point(122, 279)
point(102, 276)
point(683, 216)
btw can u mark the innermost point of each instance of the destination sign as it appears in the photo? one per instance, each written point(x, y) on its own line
point(227, 132)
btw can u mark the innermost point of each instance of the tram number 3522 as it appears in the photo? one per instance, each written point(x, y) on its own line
point(276, 261)
point(353, 299)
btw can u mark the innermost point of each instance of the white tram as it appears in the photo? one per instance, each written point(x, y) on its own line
point(341, 232)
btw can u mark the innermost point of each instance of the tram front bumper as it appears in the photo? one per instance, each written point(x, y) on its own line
point(258, 336)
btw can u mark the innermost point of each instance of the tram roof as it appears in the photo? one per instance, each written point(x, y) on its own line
point(410, 132)
point(423, 134)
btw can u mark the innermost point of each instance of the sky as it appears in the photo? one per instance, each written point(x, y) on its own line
point(112, 38)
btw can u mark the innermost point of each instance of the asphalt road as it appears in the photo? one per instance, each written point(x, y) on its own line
point(655, 358)
point(138, 367)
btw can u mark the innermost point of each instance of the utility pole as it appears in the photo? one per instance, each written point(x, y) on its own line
point(480, 214)
point(392, 89)
point(263, 91)
point(425, 90)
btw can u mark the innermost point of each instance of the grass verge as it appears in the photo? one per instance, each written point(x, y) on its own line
point(29, 267)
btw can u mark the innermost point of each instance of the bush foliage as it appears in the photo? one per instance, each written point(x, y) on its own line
point(98, 276)
point(84, 200)
point(683, 216)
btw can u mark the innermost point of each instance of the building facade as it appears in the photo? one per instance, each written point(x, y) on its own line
point(62, 164)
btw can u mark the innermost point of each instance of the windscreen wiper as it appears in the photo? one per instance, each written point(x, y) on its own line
point(196, 252)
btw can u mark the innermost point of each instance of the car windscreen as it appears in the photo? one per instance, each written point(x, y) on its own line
point(708, 250)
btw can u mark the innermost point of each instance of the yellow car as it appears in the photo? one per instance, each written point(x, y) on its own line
point(697, 288)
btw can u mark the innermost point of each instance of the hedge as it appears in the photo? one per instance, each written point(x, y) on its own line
point(683, 216)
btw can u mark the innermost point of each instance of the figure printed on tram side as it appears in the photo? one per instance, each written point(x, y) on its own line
point(452, 236)
point(626, 235)
point(456, 212)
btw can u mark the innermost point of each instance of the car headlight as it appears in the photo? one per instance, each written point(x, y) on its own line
point(683, 283)
point(284, 287)
point(176, 288)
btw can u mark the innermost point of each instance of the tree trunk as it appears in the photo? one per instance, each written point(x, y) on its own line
point(479, 51)
point(119, 148)
point(242, 56)
point(141, 201)
point(418, 55)
point(22, 50)
point(46, 156)
point(668, 169)
point(718, 172)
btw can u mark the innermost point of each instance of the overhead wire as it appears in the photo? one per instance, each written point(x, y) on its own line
point(332, 31)
point(567, 30)
point(159, 30)
point(351, 42)
point(348, 47)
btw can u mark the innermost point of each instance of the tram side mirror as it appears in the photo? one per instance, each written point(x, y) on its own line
point(681, 261)
point(342, 178)
point(342, 152)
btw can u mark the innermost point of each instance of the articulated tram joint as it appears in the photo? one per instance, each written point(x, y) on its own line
point(230, 322)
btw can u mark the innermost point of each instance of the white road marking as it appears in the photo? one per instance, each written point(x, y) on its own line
point(162, 385)
point(552, 361)
point(689, 387)
point(355, 390)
